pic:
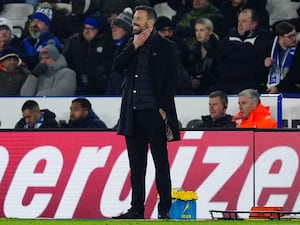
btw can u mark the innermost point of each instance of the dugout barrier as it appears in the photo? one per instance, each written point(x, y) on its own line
point(108, 108)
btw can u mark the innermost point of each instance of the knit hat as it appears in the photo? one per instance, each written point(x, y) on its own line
point(124, 20)
point(98, 21)
point(6, 22)
point(50, 50)
point(92, 21)
point(44, 14)
point(9, 51)
point(162, 22)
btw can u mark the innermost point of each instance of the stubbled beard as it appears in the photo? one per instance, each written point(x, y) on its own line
point(35, 34)
point(139, 29)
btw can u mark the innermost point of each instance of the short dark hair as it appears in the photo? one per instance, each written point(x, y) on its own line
point(84, 103)
point(222, 95)
point(283, 27)
point(30, 105)
point(254, 14)
point(151, 13)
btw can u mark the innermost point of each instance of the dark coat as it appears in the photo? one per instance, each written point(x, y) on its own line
point(202, 66)
point(165, 73)
point(90, 121)
point(91, 61)
point(11, 83)
point(49, 120)
point(240, 61)
point(223, 122)
point(291, 83)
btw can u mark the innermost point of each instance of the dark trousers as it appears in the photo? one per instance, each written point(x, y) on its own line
point(149, 128)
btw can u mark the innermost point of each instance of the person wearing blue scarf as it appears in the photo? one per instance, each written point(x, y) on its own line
point(34, 118)
point(283, 70)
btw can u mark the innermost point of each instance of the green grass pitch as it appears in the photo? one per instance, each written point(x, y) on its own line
point(5, 221)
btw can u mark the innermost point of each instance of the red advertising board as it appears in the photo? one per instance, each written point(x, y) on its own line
point(85, 174)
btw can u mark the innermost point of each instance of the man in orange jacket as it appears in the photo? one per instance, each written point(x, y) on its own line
point(253, 114)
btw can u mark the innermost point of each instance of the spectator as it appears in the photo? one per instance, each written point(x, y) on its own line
point(230, 10)
point(241, 54)
point(284, 61)
point(66, 24)
point(218, 102)
point(201, 9)
point(33, 117)
point(201, 61)
point(6, 34)
point(113, 8)
point(121, 31)
point(180, 7)
point(12, 72)
point(253, 114)
point(83, 116)
point(279, 10)
point(40, 34)
point(51, 77)
point(166, 28)
point(90, 54)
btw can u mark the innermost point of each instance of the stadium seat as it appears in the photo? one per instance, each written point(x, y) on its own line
point(193, 123)
point(18, 14)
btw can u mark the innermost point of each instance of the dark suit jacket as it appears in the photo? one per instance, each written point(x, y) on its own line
point(165, 72)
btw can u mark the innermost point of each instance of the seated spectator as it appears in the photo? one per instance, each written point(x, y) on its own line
point(241, 54)
point(90, 54)
point(51, 77)
point(83, 116)
point(230, 10)
point(253, 114)
point(12, 72)
point(68, 21)
point(218, 102)
point(201, 9)
point(284, 61)
point(39, 29)
point(166, 28)
point(33, 117)
point(121, 30)
point(201, 61)
point(6, 34)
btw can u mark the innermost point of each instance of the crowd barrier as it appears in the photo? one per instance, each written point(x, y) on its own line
point(85, 174)
point(108, 108)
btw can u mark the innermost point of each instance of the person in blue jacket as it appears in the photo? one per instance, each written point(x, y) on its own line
point(39, 35)
point(83, 116)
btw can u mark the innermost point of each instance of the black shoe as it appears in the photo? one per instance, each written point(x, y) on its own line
point(164, 216)
point(130, 215)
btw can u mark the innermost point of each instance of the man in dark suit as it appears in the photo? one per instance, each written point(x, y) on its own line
point(151, 74)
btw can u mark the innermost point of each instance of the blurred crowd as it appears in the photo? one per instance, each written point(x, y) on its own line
point(226, 45)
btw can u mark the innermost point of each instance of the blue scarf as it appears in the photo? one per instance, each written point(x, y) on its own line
point(38, 123)
point(282, 61)
point(121, 41)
